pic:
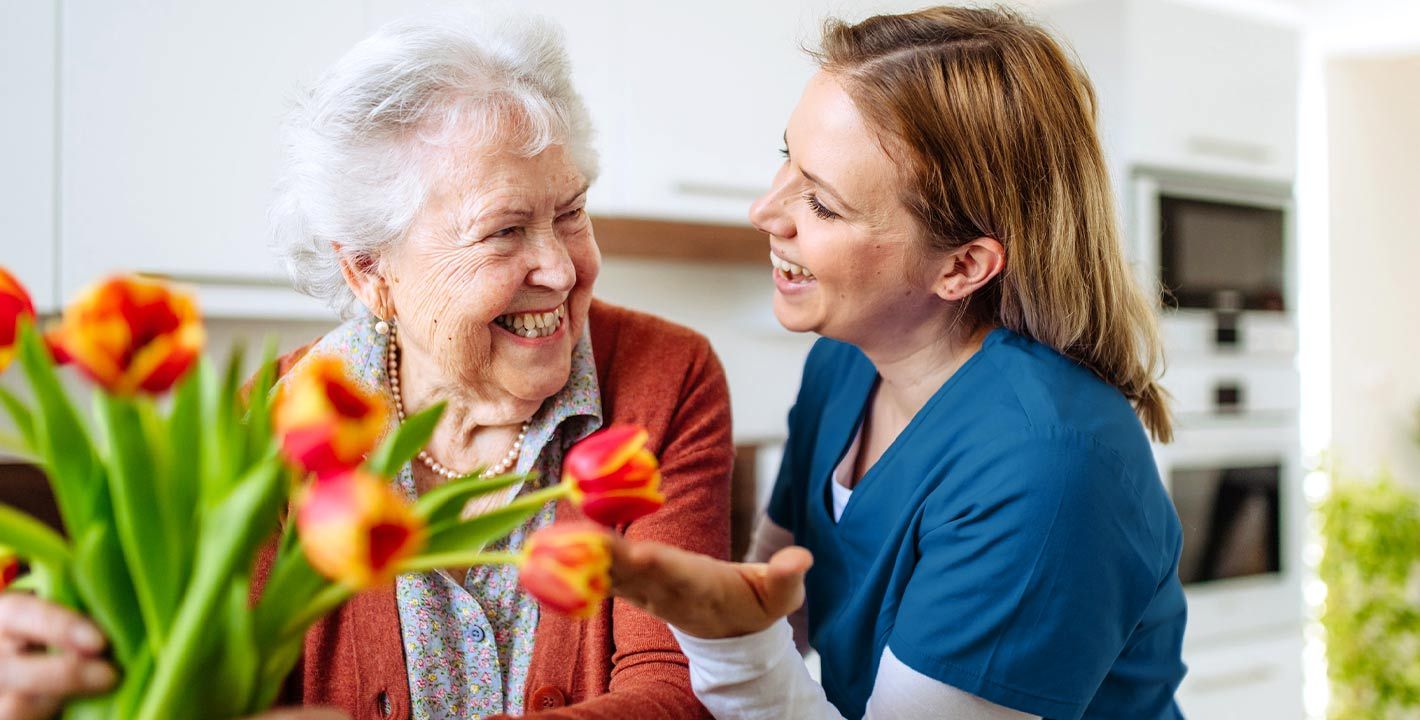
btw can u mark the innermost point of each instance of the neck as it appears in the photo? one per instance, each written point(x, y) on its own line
point(478, 425)
point(912, 371)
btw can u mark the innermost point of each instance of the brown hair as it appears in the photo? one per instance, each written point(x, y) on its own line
point(998, 127)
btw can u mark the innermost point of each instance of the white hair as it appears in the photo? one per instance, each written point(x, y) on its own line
point(357, 143)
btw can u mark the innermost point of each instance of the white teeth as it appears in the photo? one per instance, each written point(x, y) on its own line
point(790, 270)
point(531, 325)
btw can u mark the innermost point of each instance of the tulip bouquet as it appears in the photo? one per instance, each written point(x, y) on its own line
point(168, 491)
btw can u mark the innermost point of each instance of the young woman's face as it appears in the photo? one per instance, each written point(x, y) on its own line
point(845, 249)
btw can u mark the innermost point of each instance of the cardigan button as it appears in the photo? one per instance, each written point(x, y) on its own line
point(548, 697)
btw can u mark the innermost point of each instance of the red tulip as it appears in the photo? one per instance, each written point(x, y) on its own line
point(9, 566)
point(326, 421)
point(355, 529)
point(131, 334)
point(15, 303)
point(568, 568)
point(54, 342)
point(612, 476)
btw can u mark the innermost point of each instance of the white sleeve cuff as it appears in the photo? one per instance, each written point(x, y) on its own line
point(759, 675)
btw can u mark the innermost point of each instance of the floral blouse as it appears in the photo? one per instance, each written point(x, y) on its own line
point(468, 641)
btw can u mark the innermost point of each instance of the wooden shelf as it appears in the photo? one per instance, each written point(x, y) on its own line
point(679, 240)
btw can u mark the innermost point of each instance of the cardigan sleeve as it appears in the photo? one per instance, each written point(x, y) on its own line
point(650, 676)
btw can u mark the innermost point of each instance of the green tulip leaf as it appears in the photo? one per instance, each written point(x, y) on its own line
point(22, 417)
point(400, 446)
point(107, 591)
point(232, 530)
point(137, 512)
point(474, 533)
point(60, 437)
point(444, 503)
point(32, 539)
point(289, 589)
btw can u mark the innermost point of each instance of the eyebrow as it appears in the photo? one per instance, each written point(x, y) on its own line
point(837, 196)
point(523, 215)
point(575, 196)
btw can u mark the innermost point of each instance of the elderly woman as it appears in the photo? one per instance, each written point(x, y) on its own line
point(434, 191)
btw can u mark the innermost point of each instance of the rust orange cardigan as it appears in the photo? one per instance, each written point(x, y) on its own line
point(621, 662)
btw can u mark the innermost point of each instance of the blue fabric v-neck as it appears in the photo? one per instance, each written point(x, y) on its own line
point(1014, 541)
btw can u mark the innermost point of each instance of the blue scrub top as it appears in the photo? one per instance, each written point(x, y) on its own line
point(1014, 541)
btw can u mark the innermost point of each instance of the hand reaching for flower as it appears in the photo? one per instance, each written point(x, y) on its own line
point(705, 597)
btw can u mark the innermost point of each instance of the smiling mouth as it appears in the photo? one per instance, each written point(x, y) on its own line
point(533, 324)
point(789, 271)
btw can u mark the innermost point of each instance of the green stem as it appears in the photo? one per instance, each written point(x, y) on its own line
point(538, 498)
point(319, 606)
point(425, 563)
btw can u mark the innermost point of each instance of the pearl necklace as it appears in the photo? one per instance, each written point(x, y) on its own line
point(503, 466)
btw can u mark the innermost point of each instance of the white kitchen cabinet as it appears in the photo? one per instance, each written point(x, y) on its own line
point(1186, 87)
point(1250, 678)
point(707, 92)
point(169, 143)
point(28, 44)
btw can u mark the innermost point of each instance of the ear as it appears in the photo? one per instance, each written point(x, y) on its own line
point(362, 274)
point(969, 268)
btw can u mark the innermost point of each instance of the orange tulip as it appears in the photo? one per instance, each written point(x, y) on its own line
point(15, 303)
point(9, 566)
point(355, 529)
point(613, 476)
point(327, 423)
point(568, 568)
point(131, 334)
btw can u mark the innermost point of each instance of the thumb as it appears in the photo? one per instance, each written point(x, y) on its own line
point(784, 580)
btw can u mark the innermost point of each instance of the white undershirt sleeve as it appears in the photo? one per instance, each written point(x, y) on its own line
point(761, 677)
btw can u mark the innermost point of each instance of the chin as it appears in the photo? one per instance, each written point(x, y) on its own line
point(793, 319)
point(540, 383)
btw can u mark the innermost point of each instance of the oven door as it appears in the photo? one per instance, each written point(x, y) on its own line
point(1235, 484)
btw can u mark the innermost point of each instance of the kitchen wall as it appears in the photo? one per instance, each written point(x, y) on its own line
point(1373, 111)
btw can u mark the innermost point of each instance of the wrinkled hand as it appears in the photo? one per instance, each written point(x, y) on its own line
point(705, 597)
point(47, 654)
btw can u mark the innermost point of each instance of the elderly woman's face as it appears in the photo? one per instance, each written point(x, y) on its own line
point(494, 280)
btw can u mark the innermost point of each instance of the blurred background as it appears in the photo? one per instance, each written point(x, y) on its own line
point(1265, 154)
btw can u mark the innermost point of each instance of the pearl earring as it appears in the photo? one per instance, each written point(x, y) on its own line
point(382, 328)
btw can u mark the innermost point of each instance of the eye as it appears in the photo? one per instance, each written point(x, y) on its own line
point(818, 207)
point(784, 153)
point(572, 215)
point(507, 232)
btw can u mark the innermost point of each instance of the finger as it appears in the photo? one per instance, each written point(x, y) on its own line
point(30, 620)
point(14, 706)
point(61, 675)
point(784, 580)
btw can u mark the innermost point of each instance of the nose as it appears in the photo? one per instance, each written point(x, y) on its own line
point(552, 266)
point(770, 212)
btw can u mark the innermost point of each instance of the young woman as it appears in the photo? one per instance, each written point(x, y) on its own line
point(968, 462)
